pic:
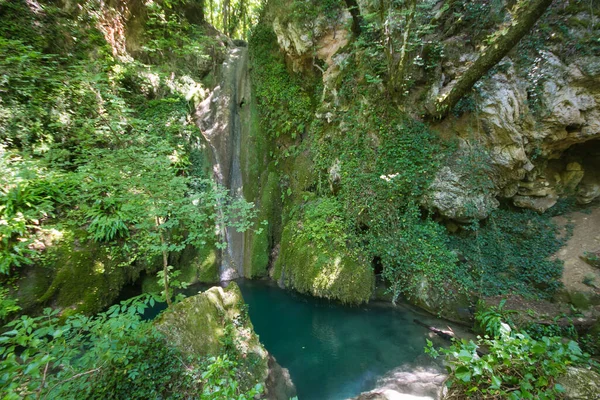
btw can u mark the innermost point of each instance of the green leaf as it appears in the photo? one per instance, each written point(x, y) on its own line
point(496, 382)
point(463, 374)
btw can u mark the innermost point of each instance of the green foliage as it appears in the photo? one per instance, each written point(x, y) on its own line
point(241, 15)
point(489, 319)
point(382, 185)
point(510, 253)
point(104, 144)
point(538, 331)
point(480, 17)
point(513, 366)
point(114, 354)
point(414, 250)
point(8, 305)
point(592, 258)
point(29, 193)
point(307, 11)
point(221, 383)
point(323, 223)
point(173, 39)
point(280, 96)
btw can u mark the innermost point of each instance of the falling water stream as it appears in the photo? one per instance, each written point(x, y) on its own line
point(332, 352)
point(218, 118)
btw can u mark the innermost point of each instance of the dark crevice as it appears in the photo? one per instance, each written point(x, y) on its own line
point(573, 128)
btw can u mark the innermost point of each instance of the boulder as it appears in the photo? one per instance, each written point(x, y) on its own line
point(452, 195)
point(204, 324)
point(408, 384)
point(580, 384)
point(539, 204)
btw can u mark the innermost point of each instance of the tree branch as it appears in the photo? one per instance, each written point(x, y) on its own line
point(72, 378)
point(526, 15)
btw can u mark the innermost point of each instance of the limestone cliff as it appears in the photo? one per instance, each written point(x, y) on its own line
point(531, 117)
point(326, 125)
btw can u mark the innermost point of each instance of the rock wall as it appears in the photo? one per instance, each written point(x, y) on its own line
point(219, 119)
point(526, 117)
point(527, 135)
point(530, 153)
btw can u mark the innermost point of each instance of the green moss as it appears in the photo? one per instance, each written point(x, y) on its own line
point(205, 266)
point(194, 264)
point(255, 152)
point(328, 270)
point(579, 300)
point(150, 284)
point(270, 211)
point(87, 276)
point(32, 285)
point(301, 172)
point(215, 322)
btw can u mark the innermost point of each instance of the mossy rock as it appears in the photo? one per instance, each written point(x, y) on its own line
point(32, 285)
point(210, 324)
point(270, 211)
point(87, 276)
point(442, 300)
point(194, 264)
point(302, 173)
point(254, 154)
point(579, 300)
point(329, 271)
point(199, 264)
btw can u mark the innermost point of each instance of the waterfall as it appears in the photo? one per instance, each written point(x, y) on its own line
point(218, 118)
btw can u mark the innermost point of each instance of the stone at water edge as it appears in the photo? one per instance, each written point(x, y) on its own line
point(580, 384)
point(388, 394)
point(197, 325)
point(405, 383)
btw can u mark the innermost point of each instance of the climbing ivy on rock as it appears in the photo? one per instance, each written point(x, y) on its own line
point(281, 98)
point(511, 252)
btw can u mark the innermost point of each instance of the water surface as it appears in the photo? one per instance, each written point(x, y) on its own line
point(332, 351)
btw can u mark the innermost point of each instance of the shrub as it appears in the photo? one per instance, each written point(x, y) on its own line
point(508, 364)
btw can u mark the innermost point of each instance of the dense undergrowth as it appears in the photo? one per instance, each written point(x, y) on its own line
point(98, 154)
point(506, 363)
point(99, 147)
point(101, 174)
point(115, 354)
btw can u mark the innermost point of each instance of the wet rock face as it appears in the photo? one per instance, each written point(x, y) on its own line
point(220, 119)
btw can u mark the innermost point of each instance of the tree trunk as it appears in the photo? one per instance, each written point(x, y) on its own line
point(356, 17)
point(165, 263)
point(525, 16)
point(226, 17)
